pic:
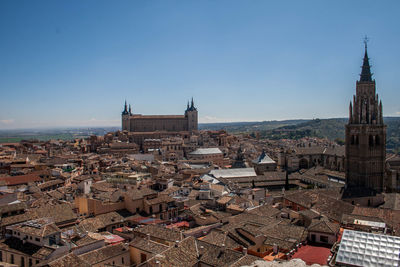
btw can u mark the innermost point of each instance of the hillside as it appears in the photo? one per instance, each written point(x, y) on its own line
point(10, 136)
point(324, 128)
point(248, 127)
point(333, 129)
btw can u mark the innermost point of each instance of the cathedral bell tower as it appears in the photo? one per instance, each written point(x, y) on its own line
point(365, 137)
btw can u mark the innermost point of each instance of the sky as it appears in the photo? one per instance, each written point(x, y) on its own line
point(73, 63)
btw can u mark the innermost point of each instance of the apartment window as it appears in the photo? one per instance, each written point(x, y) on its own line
point(37, 239)
point(22, 261)
point(1, 256)
point(30, 262)
point(143, 257)
point(12, 258)
point(123, 260)
point(323, 239)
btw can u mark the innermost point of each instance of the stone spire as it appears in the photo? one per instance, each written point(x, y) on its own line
point(125, 112)
point(366, 75)
point(130, 109)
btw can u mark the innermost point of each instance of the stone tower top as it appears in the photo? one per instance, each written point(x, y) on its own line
point(366, 108)
point(366, 75)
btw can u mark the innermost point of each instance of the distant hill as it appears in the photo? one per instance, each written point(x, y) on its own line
point(333, 129)
point(248, 127)
point(10, 136)
point(323, 128)
point(393, 133)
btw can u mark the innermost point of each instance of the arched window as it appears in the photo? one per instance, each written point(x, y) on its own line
point(371, 141)
point(377, 140)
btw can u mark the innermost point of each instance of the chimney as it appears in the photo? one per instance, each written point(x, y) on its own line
point(200, 252)
point(245, 251)
point(221, 251)
point(176, 243)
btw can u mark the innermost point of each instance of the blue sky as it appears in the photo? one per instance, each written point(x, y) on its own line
point(73, 63)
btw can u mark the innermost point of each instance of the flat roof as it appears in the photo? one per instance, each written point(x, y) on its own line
point(230, 173)
point(369, 223)
point(206, 151)
point(146, 117)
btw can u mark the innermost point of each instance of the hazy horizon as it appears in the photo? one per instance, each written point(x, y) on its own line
point(200, 123)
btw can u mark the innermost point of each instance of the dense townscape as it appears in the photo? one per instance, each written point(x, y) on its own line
point(160, 192)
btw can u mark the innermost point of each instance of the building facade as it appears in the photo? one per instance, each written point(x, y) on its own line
point(165, 123)
point(207, 155)
point(365, 136)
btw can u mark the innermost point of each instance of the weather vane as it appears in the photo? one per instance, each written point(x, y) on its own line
point(366, 41)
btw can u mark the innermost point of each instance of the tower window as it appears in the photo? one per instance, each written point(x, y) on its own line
point(377, 141)
point(371, 141)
